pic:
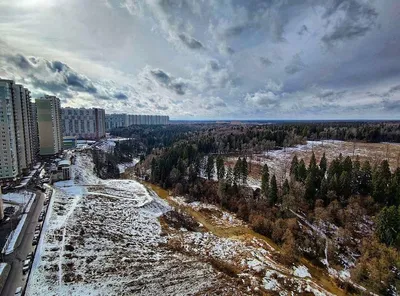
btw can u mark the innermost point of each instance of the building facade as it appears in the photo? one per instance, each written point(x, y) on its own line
point(124, 120)
point(35, 132)
point(9, 169)
point(49, 125)
point(83, 123)
point(16, 122)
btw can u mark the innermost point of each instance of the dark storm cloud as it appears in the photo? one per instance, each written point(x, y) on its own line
point(241, 29)
point(163, 108)
point(190, 42)
point(214, 65)
point(295, 65)
point(390, 105)
point(359, 18)
point(214, 105)
point(165, 80)
point(120, 96)
point(53, 76)
point(393, 90)
point(303, 30)
point(19, 61)
point(265, 61)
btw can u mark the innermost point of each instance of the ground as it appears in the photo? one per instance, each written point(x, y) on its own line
point(104, 238)
point(116, 237)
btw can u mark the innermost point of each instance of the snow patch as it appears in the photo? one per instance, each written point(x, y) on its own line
point(301, 271)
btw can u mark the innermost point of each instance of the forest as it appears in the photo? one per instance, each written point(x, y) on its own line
point(353, 205)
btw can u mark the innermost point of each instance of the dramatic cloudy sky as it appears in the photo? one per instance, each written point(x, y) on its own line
point(209, 59)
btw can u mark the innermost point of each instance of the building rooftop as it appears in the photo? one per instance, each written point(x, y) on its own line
point(64, 162)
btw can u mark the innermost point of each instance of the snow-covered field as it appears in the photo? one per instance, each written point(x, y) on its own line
point(103, 238)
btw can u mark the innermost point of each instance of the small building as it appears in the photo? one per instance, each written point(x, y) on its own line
point(69, 142)
point(62, 171)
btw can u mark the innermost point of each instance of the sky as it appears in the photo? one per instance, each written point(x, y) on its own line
point(209, 59)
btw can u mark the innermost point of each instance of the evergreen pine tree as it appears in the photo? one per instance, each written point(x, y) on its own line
point(244, 171)
point(220, 167)
point(302, 171)
point(388, 225)
point(381, 183)
point(229, 176)
point(286, 187)
point(237, 170)
point(323, 164)
point(365, 185)
point(310, 191)
point(345, 184)
point(323, 191)
point(210, 167)
point(273, 190)
point(294, 168)
point(265, 180)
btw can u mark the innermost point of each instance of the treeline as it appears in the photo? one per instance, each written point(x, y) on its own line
point(217, 138)
point(146, 138)
point(105, 164)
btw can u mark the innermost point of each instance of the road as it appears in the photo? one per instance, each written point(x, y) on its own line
point(15, 277)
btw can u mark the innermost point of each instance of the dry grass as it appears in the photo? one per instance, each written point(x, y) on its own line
point(279, 163)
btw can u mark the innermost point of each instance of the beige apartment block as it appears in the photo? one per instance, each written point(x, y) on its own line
point(49, 125)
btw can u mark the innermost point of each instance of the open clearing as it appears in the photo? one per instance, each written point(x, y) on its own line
point(279, 160)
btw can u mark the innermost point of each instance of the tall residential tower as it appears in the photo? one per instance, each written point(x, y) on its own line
point(16, 150)
point(49, 125)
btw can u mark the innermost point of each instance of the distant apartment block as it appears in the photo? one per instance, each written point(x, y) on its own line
point(84, 123)
point(123, 120)
point(49, 125)
point(16, 148)
point(35, 131)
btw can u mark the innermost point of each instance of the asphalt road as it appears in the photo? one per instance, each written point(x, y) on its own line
point(15, 277)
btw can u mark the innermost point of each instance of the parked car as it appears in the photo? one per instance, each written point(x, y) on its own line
point(9, 211)
point(18, 291)
point(40, 188)
point(37, 227)
point(35, 240)
point(30, 256)
point(27, 265)
point(41, 216)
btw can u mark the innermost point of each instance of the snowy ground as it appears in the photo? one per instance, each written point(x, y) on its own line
point(103, 237)
point(255, 260)
point(13, 237)
point(21, 197)
point(123, 166)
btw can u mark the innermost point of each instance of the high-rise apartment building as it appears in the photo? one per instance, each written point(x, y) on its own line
point(23, 127)
point(16, 153)
point(123, 120)
point(9, 169)
point(35, 132)
point(49, 125)
point(83, 123)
